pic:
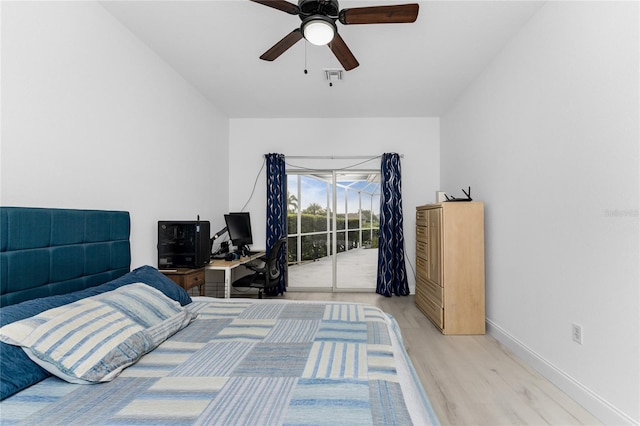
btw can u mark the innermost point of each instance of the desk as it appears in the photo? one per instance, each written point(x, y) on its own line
point(227, 265)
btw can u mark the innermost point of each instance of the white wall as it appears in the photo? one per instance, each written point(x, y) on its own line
point(93, 119)
point(416, 138)
point(548, 137)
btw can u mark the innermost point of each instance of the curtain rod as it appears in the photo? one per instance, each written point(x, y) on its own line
point(336, 157)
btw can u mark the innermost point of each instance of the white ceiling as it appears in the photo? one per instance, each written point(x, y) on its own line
point(406, 70)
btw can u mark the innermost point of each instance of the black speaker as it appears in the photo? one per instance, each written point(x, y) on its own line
point(183, 244)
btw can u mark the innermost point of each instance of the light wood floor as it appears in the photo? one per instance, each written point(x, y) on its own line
point(470, 380)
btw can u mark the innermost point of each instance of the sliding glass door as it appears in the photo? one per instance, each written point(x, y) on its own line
point(333, 230)
point(358, 205)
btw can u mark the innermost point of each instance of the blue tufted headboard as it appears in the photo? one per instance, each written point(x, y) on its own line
point(44, 252)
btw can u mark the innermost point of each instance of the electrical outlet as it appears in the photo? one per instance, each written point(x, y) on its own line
point(576, 333)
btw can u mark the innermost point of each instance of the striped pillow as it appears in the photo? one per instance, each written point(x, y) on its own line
point(94, 339)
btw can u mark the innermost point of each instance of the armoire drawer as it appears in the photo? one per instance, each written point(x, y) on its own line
point(432, 290)
point(421, 249)
point(421, 217)
point(422, 267)
point(430, 309)
point(421, 233)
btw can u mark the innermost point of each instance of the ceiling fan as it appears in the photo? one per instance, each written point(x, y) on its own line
point(319, 24)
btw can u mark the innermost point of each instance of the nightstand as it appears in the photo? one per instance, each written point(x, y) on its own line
point(187, 278)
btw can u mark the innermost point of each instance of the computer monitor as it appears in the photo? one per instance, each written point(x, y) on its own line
point(239, 228)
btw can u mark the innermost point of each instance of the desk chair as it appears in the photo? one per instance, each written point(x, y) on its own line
point(266, 271)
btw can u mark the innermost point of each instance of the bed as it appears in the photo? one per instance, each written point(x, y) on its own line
point(131, 347)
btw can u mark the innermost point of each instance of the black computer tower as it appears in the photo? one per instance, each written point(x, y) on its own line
point(183, 244)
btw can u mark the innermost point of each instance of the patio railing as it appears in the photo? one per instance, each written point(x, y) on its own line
point(312, 244)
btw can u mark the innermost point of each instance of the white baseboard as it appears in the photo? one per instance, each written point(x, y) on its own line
point(592, 402)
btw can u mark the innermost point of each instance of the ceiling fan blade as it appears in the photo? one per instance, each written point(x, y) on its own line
point(282, 5)
point(342, 52)
point(395, 14)
point(280, 47)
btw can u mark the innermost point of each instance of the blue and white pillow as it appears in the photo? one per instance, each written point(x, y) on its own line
point(92, 340)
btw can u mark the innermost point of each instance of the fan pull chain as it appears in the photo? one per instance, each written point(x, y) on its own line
point(330, 59)
point(305, 56)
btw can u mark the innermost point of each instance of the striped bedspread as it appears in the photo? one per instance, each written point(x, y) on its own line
point(247, 362)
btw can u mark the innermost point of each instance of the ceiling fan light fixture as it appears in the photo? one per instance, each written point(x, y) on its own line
point(318, 30)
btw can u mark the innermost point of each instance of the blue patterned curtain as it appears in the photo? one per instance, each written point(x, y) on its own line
point(392, 275)
point(277, 212)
